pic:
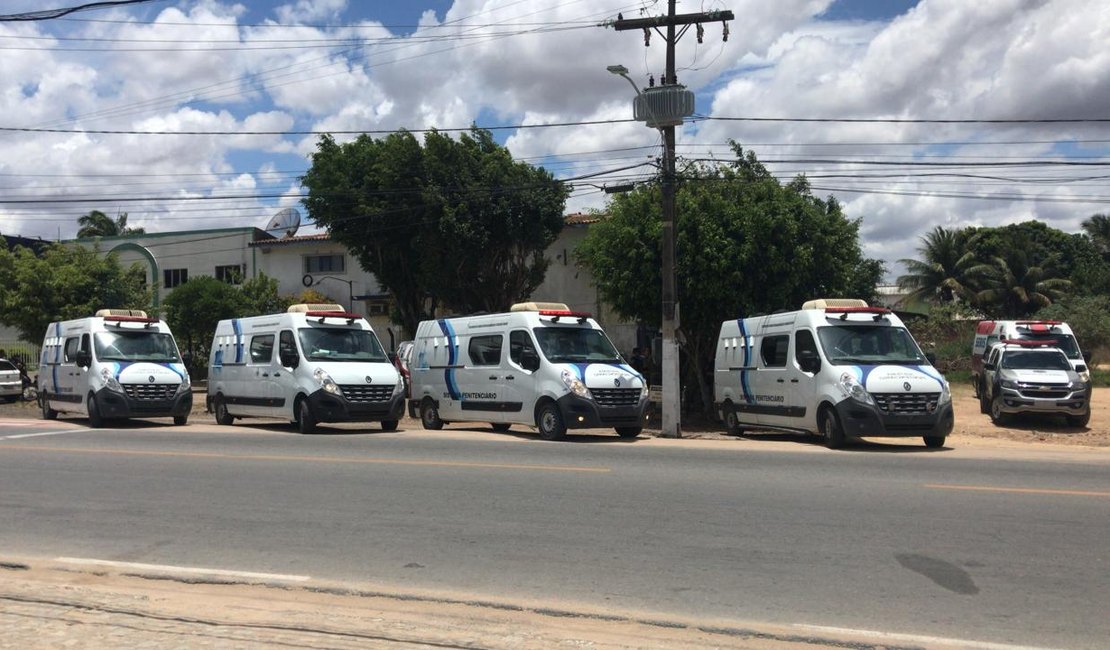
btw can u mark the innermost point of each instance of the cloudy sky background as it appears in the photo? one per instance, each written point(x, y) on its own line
point(94, 106)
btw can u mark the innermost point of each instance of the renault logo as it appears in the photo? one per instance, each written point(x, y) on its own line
point(907, 386)
point(369, 379)
point(150, 379)
point(617, 382)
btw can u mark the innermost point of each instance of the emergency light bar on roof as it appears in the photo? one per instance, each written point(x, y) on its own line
point(539, 306)
point(310, 307)
point(1029, 343)
point(121, 316)
point(877, 313)
point(825, 303)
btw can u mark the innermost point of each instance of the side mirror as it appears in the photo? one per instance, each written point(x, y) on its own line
point(530, 361)
point(290, 358)
point(988, 366)
point(392, 357)
point(931, 358)
point(84, 358)
point(809, 363)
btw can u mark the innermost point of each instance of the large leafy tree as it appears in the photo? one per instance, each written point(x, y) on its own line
point(64, 282)
point(1013, 287)
point(448, 222)
point(942, 274)
point(98, 224)
point(1097, 228)
point(746, 244)
point(193, 309)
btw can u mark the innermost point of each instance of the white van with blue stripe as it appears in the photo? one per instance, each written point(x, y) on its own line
point(119, 363)
point(539, 365)
point(314, 363)
point(837, 368)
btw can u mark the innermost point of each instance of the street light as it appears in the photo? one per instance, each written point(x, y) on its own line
point(309, 281)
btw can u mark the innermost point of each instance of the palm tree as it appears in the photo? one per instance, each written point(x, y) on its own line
point(98, 224)
point(1014, 288)
point(944, 272)
point(1097, 228)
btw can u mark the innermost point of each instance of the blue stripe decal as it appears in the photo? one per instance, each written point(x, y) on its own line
point(932, 373)
point(747, 390)
point(580, 370)
point(452, 359)
point(235, 325)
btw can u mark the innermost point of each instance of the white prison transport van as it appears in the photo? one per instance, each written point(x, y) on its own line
point(119, 363)
point(837, 368)
point(314, 363)
point(540, 365)
point(1056, 333)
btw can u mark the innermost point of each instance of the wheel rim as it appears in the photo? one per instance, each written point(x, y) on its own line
point(730, 419)
point(547, 421)
point(829, 424)
point(996, 409)
point(428, 414)
point(221, 410)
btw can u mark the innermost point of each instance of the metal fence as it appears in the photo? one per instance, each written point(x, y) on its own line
point(15, 350)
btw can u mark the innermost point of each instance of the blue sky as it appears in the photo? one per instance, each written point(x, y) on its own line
point(95, 107)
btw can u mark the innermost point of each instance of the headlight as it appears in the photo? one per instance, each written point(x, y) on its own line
point(1006, 383)
point(644, 391)
point(575, 385)
point(1085, 376)
point(326, 382)
point(945, 394)
point(399, 387)
point(110, 381)
point(185, 384)
point(851, 387)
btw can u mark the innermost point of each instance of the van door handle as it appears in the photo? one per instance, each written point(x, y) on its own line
point(510, 377)
point(265, 374)
point(794, 381)
point(781, 381)
point(493, 377)
point(278, 374)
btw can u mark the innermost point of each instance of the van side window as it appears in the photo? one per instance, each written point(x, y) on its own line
point(519, 343)
point(262, 348)
point(804, 346)
point(773, 350)
point(485, 350)
point(73, 345)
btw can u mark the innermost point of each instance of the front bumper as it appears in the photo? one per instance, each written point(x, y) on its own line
point(118, 405)
point(329, 407)
point(581, 413)
point(861, 420)
point(1074, 403)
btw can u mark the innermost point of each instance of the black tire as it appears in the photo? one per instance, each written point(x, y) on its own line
point(629, 432)
point(984, 401)
point(222, 416)
point(732, 420)
point(833, 432)
point(550, 422)
point(429, 415)
point(47, 412)
point(389, 425)
point(180, 420)
point(95, 419)
point(1079, 420)
point(500, 427)
point(997, 416)
point(934, 442)
point(306, 421)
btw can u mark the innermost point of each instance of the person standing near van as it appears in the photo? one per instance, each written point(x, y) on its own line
point(638, 361)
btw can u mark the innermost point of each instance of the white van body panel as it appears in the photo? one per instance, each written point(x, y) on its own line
point(471, 369)
point(760, 381)
point(134, 369)
point(247, 374)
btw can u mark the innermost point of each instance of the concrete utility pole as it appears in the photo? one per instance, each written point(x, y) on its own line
point(667, 110)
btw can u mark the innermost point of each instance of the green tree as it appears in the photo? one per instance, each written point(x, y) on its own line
point(1012, 287)
point(65, 282)
point(745, 244)
point(193, 309)
point(98, 224)
point(1088, 316)
point(942, 273)
point(1097, 228)
point(451, 222)
point(260, 296)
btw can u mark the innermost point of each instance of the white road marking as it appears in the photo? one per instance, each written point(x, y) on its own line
point(167, 568)
point(41, 433)
point(916, 638)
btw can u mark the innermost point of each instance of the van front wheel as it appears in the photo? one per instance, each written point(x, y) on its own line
point(834, 434)
point(306, 421)
point(47, 412)
point(629, 432)
point(429, 415)
point(550, 422)
point(95, 419)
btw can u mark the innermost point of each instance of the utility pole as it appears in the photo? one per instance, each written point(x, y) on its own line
point(664, 113)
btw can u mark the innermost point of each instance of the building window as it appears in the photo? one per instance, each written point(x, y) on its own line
point(174, 277)
point(231, 274)
point(324, 264)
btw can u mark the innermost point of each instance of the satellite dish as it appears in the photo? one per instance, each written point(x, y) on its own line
point(284, 223)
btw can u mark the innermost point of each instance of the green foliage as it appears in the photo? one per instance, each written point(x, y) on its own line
point(451, 222)
point(98, 224)
point(260, 296)
point(193, 310)
point(745, 244)
point(65, 282)
point(947, 332)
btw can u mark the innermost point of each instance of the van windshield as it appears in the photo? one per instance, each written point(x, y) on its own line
point(865, 344)
point(576, 345)
point(334, 344)
point(155, 347)
point(1066, 342)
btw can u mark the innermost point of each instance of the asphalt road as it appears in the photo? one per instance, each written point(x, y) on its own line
point(891, 538)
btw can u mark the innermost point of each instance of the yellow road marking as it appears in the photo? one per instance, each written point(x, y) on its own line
point(312, 459)
point(987, 488)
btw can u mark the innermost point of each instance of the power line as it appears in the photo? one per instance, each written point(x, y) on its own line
point(51, 14)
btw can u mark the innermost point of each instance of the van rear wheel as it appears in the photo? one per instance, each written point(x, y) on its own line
point(834, 434)
point(732, 420)
point(429, 415)
point(306, 421)
point(222, 416)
